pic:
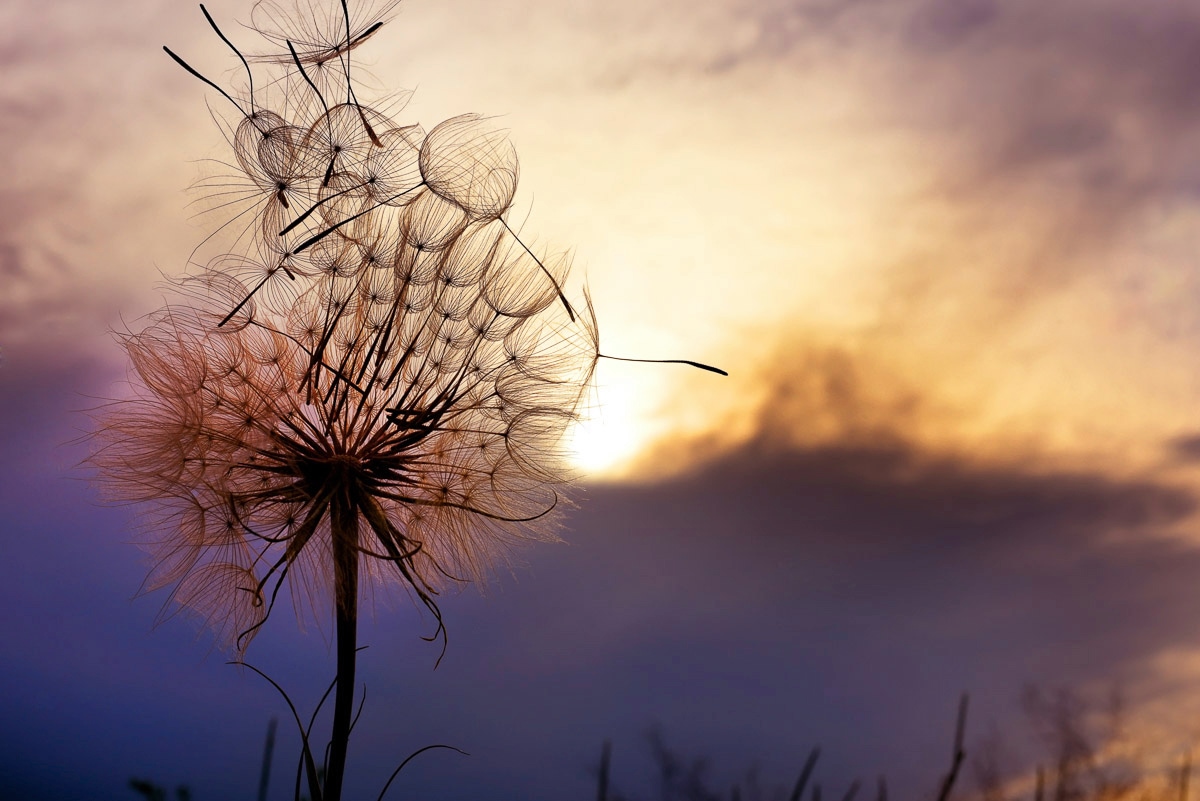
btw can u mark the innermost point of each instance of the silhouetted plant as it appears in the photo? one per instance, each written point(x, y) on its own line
point(264, 776)
point(685, 779)
point(679, 779)
point(370, 385)
point(1083, 755)
point(153, 792)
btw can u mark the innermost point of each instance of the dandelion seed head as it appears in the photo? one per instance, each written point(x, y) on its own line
point(377, 366)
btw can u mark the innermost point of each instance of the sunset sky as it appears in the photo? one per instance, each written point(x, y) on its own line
point(946, 250)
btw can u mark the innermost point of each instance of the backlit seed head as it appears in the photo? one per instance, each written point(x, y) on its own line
point(374, 345)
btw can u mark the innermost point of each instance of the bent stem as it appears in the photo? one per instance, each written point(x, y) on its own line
point(344, 522)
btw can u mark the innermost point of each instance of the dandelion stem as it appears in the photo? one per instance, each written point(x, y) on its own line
point(344, 522)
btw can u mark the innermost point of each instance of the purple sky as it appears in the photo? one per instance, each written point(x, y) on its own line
point(770, 600)
point(946, 250)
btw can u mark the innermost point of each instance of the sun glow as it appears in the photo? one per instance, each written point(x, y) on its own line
point(609, 435)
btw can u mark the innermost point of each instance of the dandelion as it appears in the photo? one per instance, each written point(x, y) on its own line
point(392, 420)
point(370, 388)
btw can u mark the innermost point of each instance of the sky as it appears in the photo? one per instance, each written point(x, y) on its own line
point(944, 248)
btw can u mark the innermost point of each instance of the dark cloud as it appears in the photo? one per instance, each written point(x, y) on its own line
point(1093, 88)
point(1093, 81)
point(844, 595)
point(889, 514)
point(1065, 135)
point(859, 588)
point(85, 109)
point(1045, 144)
point(844, 589)
point(42, 395)
point(948, 23)
point(10, 262)
point(1185, 448)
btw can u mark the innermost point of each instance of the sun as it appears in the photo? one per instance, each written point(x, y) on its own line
point(608, 436)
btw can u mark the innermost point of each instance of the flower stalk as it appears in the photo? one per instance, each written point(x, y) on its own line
point(369, 385)
point(345, 557)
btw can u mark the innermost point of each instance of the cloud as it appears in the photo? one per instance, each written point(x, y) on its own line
point(949, 24)
point(841, 593)
point(840, 574)
point(91, 128)
point(1084, 103)
point(993, 201)
point(1185, 447)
